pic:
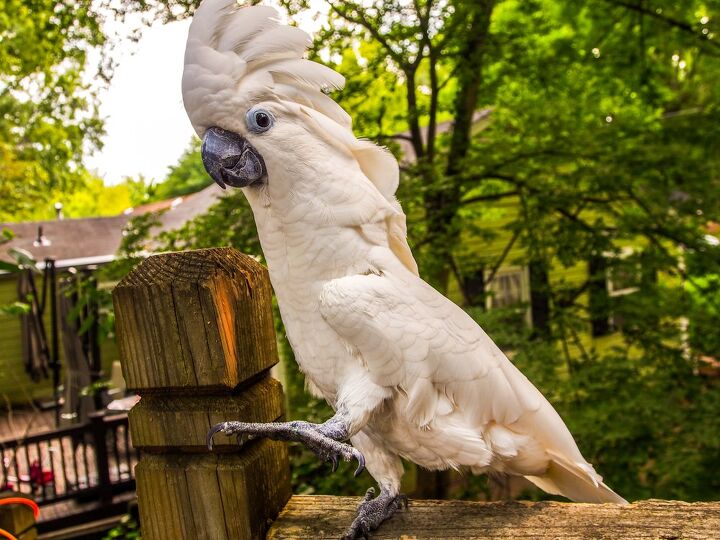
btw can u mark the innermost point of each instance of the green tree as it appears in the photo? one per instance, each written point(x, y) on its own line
point(49, 116)
point(93, 198)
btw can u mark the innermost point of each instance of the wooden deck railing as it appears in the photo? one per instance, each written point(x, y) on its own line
point(196, 335)
point(87, 461)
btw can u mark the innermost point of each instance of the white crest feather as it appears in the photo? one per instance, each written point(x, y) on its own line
point(235, 56)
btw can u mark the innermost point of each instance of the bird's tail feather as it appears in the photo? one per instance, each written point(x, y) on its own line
point(575, 482)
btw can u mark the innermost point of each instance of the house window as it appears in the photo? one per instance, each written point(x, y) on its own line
point(509, 289)
point(624, 277)
point(612, 277)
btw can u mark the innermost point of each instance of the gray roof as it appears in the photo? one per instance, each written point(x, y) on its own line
point(66, 239)
point(183, 209)
point(78, 242)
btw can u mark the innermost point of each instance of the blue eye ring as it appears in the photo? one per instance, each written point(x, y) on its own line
point(259, 120)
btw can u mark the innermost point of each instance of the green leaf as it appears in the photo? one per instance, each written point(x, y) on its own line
point(16, 308)
point(6, 235)
point(9, 267)
point(24, 259)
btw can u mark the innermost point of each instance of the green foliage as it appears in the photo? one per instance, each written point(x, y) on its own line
point(16, 308)
point(128, 529)
point(48, 111)
point(649, 424)
point(95, 388)
point(228, 223)
point(703, 300)
point(188, 176)
point(95, 199)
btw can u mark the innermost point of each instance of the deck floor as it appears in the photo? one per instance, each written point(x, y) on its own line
point(61, 510)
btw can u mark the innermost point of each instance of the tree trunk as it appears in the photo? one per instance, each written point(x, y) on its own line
point(443, 198)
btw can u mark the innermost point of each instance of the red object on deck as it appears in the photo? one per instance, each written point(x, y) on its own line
point(40, 476)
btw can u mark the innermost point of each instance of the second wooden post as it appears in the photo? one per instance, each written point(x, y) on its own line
point(197, 340)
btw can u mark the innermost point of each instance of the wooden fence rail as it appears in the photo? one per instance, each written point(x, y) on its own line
point(323, 517)
point(196, 335)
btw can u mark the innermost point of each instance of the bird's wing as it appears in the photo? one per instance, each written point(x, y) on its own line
point(412, 338)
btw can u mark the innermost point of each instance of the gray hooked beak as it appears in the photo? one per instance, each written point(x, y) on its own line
point(230, 159)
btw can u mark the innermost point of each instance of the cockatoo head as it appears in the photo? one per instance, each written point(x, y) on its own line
point(263, 112)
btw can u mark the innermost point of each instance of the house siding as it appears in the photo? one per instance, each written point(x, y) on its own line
point(16, 387)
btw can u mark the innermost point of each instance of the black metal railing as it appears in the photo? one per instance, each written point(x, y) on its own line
point(94, 460)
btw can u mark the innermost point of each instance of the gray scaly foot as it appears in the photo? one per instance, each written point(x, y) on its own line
point(372, 512)
point(322, 439)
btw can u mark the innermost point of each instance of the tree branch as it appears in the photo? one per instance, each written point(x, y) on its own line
point(682, 25)
point(503, 256)
point(413, 114)
point(362, 20)
point(490, 197)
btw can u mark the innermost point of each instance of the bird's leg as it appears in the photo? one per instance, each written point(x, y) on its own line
point(373, 511)
point(325, 439)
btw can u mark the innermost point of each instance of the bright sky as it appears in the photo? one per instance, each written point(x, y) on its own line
point(147, 128)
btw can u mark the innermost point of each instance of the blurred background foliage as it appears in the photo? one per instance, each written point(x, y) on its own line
point(599, 121)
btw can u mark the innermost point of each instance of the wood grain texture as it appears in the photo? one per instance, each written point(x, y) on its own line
point(212, 496)
point(158, 423)
point(197, 319)
point(196, 334)
point(318, 517)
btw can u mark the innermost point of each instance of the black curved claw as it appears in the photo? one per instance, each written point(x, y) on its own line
point(334, 460)
point(213, 431)
point(361, 463)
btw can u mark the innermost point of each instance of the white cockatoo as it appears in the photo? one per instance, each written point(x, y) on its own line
point(408, 373)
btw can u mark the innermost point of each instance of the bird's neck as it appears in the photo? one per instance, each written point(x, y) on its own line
point(304, 254)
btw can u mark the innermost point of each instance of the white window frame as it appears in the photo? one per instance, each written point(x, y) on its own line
point(625, 252)
point(524, 272)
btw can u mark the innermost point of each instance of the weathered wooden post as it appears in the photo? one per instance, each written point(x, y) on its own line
point(196, 335)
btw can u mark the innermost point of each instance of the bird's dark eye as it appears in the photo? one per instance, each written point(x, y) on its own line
point(262, 119)
point(259, 120)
